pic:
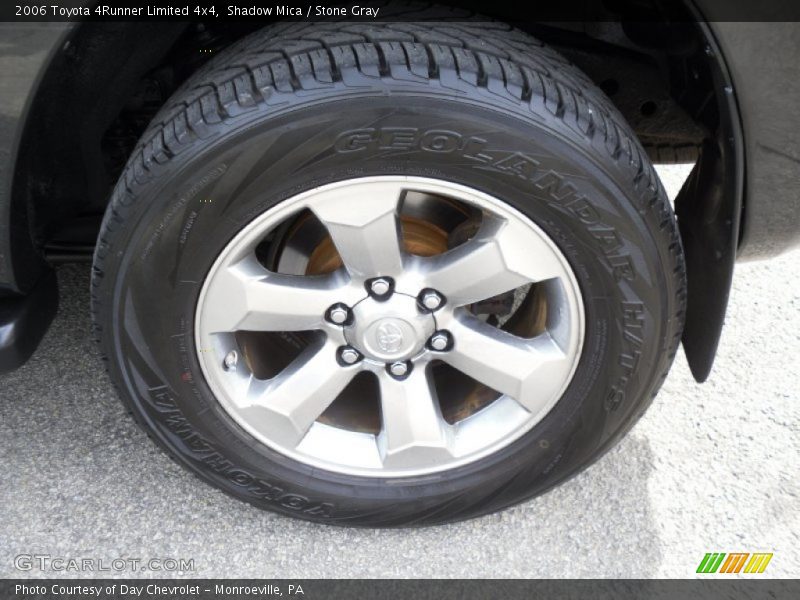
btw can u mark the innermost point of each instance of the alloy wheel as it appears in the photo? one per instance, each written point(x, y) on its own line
point(393, 316)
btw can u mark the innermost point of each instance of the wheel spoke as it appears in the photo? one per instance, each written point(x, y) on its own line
point(502, 256)
point(245, 296)
point(284, 408)
point(364, 228)
point(414, 431)
point(529, 371)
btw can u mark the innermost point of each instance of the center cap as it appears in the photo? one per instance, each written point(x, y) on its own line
point(391, 330)
point(389, 338)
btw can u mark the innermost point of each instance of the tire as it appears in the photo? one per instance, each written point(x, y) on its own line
point(299, 106)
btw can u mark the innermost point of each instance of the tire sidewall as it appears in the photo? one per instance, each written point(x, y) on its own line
point(181, 218)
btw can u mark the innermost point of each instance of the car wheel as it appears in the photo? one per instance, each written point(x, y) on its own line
point(388, 274)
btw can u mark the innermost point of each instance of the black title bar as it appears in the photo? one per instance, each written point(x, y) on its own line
point(391, 10)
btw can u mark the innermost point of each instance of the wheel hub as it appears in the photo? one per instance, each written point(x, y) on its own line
point(390, 330)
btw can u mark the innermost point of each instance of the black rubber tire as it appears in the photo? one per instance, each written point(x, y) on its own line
point(299, 105)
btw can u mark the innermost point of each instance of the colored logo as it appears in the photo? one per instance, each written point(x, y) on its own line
point(734, 562)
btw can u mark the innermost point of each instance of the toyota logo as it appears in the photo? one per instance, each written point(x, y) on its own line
point(389, 337)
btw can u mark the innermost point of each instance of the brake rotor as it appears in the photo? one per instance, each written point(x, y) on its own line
point(420, 238)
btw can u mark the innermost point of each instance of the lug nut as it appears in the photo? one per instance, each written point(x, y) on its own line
point(231, 360)
point(349, 355)
point(440, 341)
point(380, 286)
point(431, 299)
point(338, 314)
point(398, 369)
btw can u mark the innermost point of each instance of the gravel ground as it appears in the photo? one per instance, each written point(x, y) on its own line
point(711, 468)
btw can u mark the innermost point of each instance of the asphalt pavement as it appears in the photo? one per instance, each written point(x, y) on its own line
point(710, 468)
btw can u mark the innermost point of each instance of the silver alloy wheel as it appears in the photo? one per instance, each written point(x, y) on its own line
point(385, 331)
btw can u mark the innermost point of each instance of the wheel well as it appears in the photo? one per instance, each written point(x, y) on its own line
point(103, 88)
